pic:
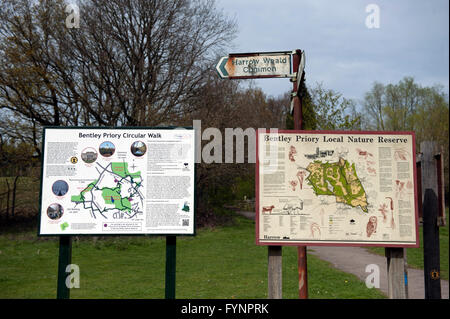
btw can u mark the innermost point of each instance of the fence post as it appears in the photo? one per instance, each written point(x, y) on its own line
point(274, 270)
point(431, 257)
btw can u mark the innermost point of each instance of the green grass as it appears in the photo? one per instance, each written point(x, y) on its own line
point(415, 255)
point(217, 263)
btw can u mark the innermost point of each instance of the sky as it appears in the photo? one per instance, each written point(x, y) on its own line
point(342, 53)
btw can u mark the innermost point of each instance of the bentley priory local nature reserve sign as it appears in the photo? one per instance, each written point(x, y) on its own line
point(336, 188)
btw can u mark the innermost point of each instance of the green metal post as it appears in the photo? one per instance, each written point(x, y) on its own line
point(65, 259)
point(171, 252)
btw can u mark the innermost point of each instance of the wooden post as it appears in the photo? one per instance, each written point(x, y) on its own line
point(430, 207)
point(396, 273)
point(65, 259)
point(441, 188)
point(274, 271)
point(431, 251)
point(302, 273)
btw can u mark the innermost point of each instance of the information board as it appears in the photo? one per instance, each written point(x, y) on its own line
point(100, 181)
point(336, 188)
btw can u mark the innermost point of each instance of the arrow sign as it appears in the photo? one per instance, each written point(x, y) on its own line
point(220, 67)
point(255, 65)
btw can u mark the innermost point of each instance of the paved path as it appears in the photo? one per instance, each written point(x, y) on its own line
point(355, 259)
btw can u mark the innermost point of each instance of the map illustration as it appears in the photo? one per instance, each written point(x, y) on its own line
point(115, 193)
point(338, 179)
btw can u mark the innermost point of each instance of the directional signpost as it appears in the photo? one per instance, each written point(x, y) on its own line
point(296, 111)
point(115, 181)
point(283, 64)
point(255, 65)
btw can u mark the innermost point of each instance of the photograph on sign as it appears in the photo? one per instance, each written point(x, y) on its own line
point(117, 181)
point(336, 188)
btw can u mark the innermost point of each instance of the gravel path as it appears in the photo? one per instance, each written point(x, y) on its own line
point(355, 259)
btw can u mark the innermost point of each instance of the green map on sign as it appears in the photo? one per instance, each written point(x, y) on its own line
point(115, 192)
point(338, 179)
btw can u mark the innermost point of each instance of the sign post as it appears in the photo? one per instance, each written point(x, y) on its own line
point(298, 68)
point(337, 188)
point(431, 188)
point(275, 272)
point(171, 253)
point(386, 170)
point(100, 181)
point(396, 273)
point(65, 259)
point(256, 66)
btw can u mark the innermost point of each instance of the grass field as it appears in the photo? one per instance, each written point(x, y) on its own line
point(217, 263)
point(415, 255)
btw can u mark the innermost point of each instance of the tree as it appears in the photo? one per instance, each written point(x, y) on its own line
point(143, 61)
point(408, 106)
point(130, 62)
point(333, 111)
point(374, 104)
point(393, 107)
